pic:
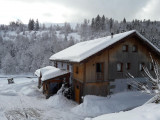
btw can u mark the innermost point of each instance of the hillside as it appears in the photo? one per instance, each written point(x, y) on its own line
point(24, 50)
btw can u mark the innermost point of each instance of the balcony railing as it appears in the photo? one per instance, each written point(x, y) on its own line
point(100, 76)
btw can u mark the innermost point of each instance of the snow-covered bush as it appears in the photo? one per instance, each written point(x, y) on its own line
point(66, 91)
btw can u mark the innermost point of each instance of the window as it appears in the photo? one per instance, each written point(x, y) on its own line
point(128, 66)
point(77, 86)
point(77, 69)
point(67, 67)
point(99, 67)
point(55, 64)
point(129, 87)
point(62, 65)
point(120, 67)
point(134, 48)
point(151, 67)
point(46, 87)
point(99, 71)
point(141, 66)
point(125, 48)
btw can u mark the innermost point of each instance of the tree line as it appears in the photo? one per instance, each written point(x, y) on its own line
point(32, 25)
point(34, 43)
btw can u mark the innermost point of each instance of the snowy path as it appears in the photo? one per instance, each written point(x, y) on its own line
point(24, 100)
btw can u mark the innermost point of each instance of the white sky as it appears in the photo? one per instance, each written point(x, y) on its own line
point(59, 11)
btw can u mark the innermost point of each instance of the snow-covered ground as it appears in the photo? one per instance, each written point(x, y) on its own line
point(24, 100)
point(144, 112)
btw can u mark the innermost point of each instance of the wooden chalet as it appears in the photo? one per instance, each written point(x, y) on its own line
point(100, 66)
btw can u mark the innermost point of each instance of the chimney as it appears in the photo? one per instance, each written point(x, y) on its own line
point(111, 34)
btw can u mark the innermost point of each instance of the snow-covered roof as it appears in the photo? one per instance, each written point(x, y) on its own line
point(83, 50)
point(41, 71)
point(52, 73)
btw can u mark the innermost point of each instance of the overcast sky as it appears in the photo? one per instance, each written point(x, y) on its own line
point(59, 11)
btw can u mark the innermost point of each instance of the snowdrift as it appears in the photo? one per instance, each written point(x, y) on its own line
point(145, 112)
point(60, 102)
point(95, 105)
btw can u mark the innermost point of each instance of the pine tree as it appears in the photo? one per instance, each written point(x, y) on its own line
point(93, 24)
point(31, 24)
point(124, 20)
point(103, 23)
point(111, 24)
point(98, 23)
point(37, 25)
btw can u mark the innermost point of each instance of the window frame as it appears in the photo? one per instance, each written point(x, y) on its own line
point(134, 48)
point(129, 87)
point(68, 67)
point(101, 67)
point(100, 72)
point(128, 66)
point(126, 48)
point(56, 64)
point(141, 65)
point(77, 70)
point(121, 67)
point(61, 64)
point(151, 66)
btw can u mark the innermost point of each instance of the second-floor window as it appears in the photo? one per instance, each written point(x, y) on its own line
point(125, 48)
point(99, 67)
point(77, 70)
point(134, 48)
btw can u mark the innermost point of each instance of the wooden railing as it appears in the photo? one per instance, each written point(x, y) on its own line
point(100, 76)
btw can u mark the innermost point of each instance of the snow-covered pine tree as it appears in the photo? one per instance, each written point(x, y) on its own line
point(97, 23)
point(93, 24)
point(31, 24)
point(37, 25)
point(111, 24)
point(103, 23)
point(124, 20)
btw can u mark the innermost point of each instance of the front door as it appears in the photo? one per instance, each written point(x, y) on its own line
point(77, 93)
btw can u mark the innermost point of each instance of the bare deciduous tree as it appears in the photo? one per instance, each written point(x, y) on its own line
point(152, 85)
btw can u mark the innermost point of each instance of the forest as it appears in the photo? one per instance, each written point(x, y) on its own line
point(27, 47)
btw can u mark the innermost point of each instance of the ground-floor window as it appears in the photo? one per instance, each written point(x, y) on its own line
point(119, 67)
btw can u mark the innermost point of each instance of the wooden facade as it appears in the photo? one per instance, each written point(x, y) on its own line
point(93, 75)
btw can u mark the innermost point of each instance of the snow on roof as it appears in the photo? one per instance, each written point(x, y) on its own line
point(83, 50)
point(41, 71)
point(52, 73)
